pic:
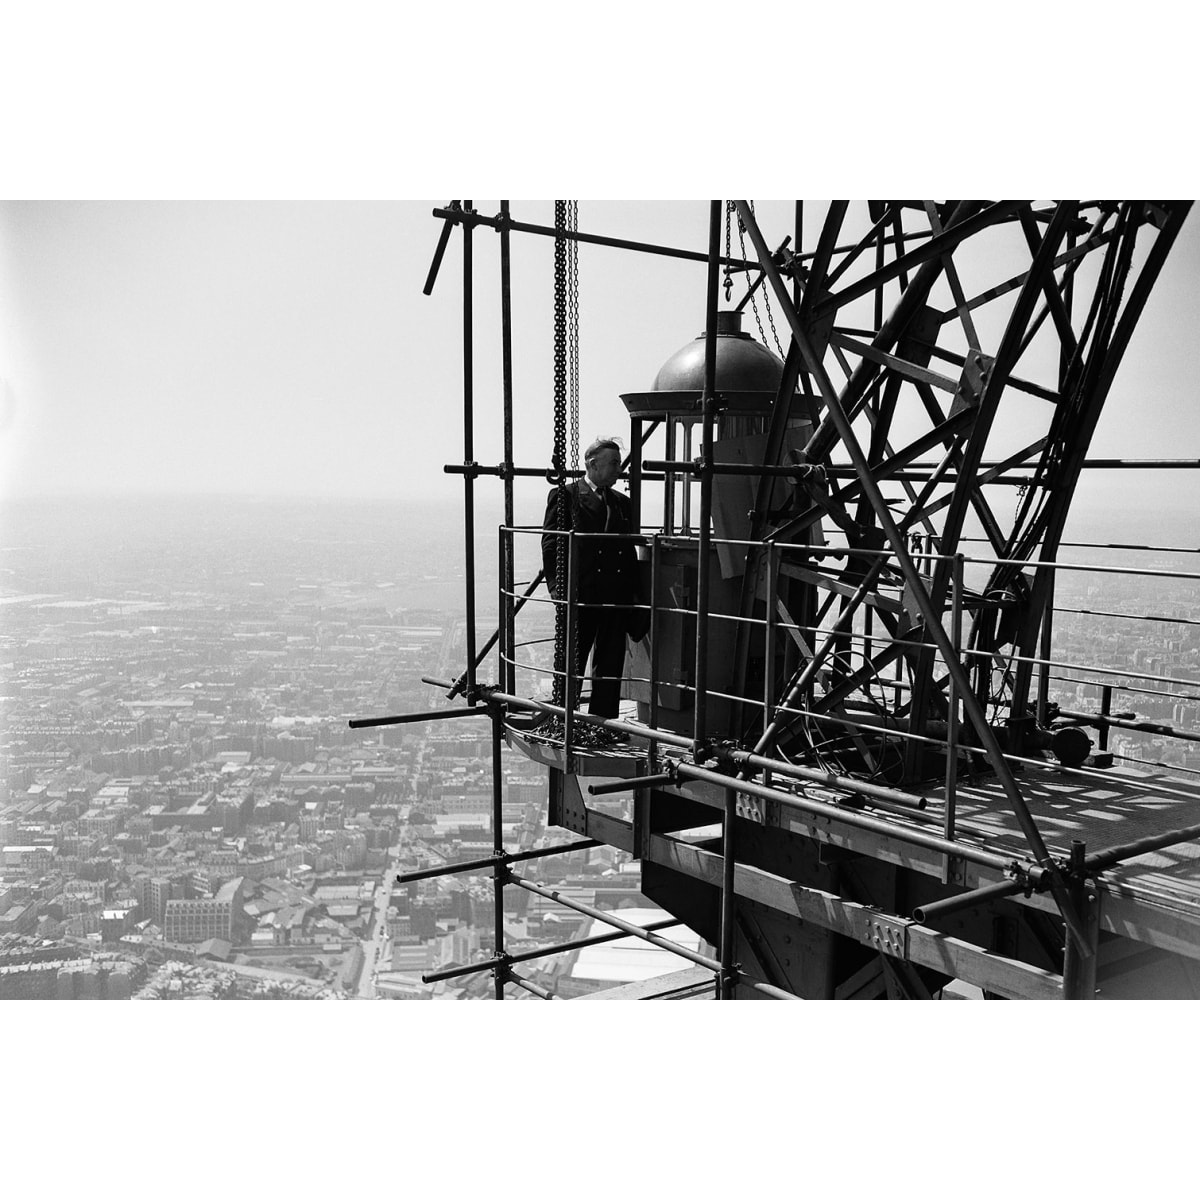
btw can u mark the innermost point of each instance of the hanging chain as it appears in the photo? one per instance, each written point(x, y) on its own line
point(558, 456)
point(766, 295)
point(728, 267)
point(573, 327)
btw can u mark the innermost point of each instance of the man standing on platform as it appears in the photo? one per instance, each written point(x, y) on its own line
point(607, 569)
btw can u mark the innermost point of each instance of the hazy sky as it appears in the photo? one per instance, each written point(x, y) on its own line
point(287, 348)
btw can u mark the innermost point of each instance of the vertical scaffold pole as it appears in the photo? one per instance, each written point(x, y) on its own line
point(769, 645)
point(469, 449)
point(952, 712)
point(571, 687)
point(635, 472)
point(709, 400)
point(1047, 642)
point(510, 672)
point(728, 862)
point(498, 841)
point(655, 572)
point(1079, 971)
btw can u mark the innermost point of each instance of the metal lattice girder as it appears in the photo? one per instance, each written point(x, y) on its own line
point(893, 360)
point(947, 364)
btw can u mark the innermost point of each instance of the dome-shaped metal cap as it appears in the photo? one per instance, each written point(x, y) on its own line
point(743, 365)
point(747, 376)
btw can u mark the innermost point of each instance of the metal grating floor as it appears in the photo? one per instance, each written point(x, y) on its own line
point(1100, 813)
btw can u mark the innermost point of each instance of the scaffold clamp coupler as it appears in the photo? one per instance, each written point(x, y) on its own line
point(724, 751)
point(1035, 878)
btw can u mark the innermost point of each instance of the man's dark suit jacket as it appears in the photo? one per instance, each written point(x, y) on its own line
point(608, 570)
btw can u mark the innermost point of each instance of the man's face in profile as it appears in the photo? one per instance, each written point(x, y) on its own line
point(604, 468)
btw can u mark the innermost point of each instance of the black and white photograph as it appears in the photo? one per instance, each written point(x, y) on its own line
point(406, 597)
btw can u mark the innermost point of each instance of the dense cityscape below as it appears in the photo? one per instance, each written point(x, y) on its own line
point(184, 812)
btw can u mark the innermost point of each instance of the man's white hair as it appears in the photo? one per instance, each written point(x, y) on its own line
point(602, 443)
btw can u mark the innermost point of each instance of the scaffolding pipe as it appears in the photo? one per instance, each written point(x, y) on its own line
point(963, 850)
point(477, 865)
point(638, 783)
point(901, 833)
point(511, 977)
point(469, 449)
point(952, 904)
point(509, 612)
point(655, 568)
point(609, 919)
point(1102, 722)
point(952, 710)
point(594, 239)
point(767, 989)
point(570, 645)
point(500, 869)
point(540, 952)
point(769, 641)
point(704, 566)
point(1116, 855)
point(905, 800)
point(437, 714)
point(480, 655)
point(442, 242)
point(454, 214)
point(1046, 648)
point(744, 758)
point(728, 896)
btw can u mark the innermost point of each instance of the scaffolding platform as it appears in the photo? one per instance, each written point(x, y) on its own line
point(1148, 903)
point(1153, 897)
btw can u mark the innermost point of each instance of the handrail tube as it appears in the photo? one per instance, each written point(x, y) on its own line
point(1114, 855)
point(840, 551)
point(740, 757)
point(486, 864)
point(859, 820)
point(826, 778)
point(782, 768)
point(1098, 721)
point(618, 726)
point(952, 904)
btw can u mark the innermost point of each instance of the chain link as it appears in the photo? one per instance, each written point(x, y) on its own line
point(728, 268)
point(573, 328)
point(766, 295)
point(559, 453)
